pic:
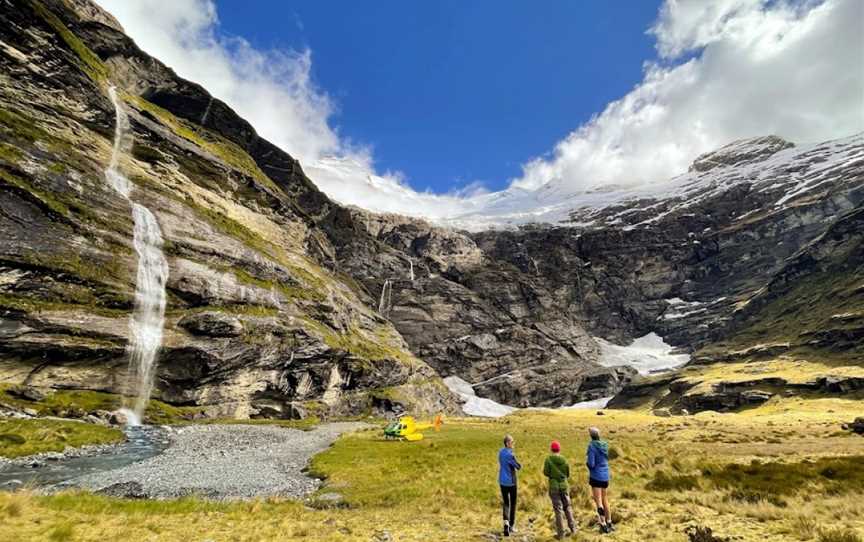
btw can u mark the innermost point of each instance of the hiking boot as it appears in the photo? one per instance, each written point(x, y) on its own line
point(604, 529)
point(513, 529)
point(610, 527)
point(506, 529)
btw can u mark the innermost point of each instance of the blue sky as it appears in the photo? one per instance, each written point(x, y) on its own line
point(541, 102)
point(451, 92)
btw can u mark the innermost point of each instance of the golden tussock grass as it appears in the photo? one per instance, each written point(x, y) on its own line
point(806, 487)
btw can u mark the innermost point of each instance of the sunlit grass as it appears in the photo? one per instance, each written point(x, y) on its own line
point(32, 436)
point(444, 487)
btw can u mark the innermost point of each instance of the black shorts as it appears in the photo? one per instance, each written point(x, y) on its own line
point(597, 483)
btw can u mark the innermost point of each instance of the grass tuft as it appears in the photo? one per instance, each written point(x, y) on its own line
point(672, 482)
point(62, 533)
point(839, 535)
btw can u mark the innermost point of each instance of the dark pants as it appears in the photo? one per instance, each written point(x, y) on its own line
point(561, 506)
point(508, 500)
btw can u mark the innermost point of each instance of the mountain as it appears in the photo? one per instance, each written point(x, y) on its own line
point(256, 323)
point(282, 303)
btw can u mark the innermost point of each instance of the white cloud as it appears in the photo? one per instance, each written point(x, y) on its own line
point(792, 71)
point(271, 89)
point(727, 69)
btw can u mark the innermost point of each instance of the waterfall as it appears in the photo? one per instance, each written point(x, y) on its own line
point(148, 316)
point(386, 297)
point(206, 112)
point(411, 270)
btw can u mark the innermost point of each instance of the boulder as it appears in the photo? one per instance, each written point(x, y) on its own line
point(118, 417)
point(125, 490)
point(28, 393)
point(856, 427)
point(297, 412)
point(662, 412)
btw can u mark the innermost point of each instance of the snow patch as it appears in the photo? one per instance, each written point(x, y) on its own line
point(593, 404)
point(473, 405)
point(648, 354)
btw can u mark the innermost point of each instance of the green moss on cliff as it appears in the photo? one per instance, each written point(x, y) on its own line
point(231, 227)
point(80, 266)
point(227, 151)
point(87, 60)
point(238, 309)
point(290, 291)
point(35, 305)
point(10, 154)
point(20, 127)
point(821, 309)
point(58, 167)
point(48, 200)
point(374, 346)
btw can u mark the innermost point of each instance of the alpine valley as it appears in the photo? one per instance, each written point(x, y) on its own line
point(281, 303)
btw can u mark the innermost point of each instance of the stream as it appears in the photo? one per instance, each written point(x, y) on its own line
point(142, 443)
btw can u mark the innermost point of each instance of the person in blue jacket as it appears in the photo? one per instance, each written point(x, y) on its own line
point(507, 467)
point(598, 478)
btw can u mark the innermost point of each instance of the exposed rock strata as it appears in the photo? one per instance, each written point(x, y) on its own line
point(275, 292)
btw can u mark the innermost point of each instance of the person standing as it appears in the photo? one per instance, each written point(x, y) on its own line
point(556, 469)
point(507, 467)
point(598, 478)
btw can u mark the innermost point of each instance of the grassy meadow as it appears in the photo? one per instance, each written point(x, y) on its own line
point(781, 472)
point(32, 436)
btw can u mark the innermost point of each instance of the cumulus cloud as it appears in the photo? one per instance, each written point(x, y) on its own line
point(757, 68)
point(724, 70)
point(272, 89)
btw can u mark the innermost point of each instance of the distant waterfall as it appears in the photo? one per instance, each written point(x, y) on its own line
point(386, 297)
point(148, 317)
point(411, 270)
point(206, 112)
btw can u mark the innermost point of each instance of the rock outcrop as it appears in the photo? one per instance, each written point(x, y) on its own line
point(470, 315)
point(256, 324)
point(282, 303)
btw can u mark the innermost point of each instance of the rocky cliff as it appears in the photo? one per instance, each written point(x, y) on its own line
point(256, 323)
point(282, 302)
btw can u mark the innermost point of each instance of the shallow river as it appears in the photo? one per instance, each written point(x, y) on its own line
point(142, 442)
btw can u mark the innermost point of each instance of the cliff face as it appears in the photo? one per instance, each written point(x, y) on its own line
point(802, 333)
point(280, 301)
point(468, 314)
point(256, 325)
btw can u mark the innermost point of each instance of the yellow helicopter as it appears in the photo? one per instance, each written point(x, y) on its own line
point(405, 428)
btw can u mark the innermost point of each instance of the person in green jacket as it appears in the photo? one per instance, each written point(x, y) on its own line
point(558, 471)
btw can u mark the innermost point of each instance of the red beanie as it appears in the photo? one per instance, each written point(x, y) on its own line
point(555, 446)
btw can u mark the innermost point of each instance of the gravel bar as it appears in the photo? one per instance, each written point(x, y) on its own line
point(223, 462)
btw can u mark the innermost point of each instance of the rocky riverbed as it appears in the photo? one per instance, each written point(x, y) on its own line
point(222, 462)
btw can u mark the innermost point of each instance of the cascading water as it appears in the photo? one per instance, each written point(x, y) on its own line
point(386, 296)
point(411, 270)
point(148, 317)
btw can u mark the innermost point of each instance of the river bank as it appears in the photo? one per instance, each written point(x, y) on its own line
point(221, 462)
